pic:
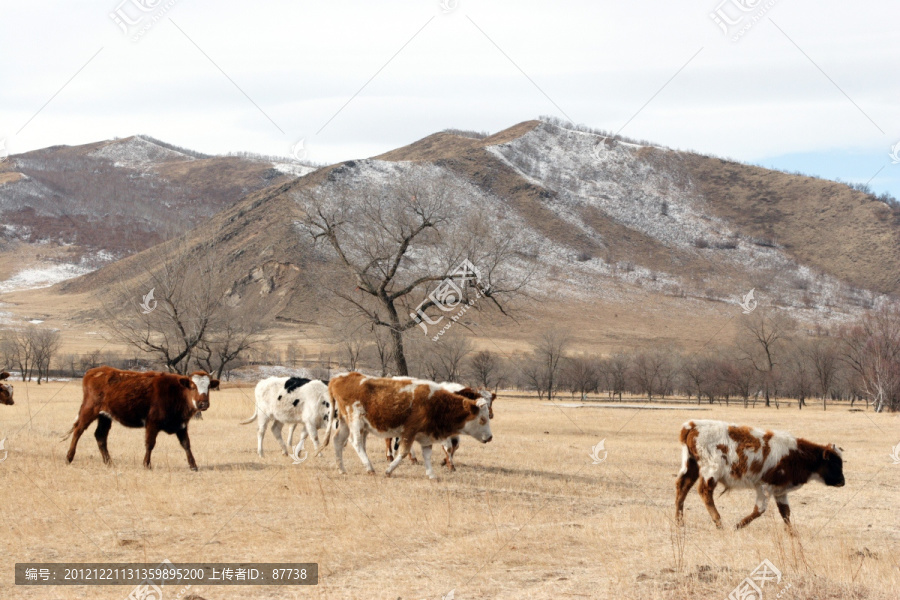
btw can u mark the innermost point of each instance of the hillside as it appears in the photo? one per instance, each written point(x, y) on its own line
point(87, 205)
point(629, 242)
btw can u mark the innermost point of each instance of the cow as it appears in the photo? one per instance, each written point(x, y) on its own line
point(413, 410)
point(451, 444)
point(291, 400)
point(152, 400)
point(6, 390)
point(773, 463)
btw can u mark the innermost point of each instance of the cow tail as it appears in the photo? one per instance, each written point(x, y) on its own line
point(69, 432)
point(332, 424)
point(253, 418)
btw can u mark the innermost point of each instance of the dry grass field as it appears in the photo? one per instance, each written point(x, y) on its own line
point(526, 516)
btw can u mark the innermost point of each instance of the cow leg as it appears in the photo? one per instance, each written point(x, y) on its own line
point(309, 429)
point(358, 439)
point(686, 480)
point(412, 456)
point(262, 423)
point(449, 447)
point(299, 447)
point(389, 449)
point(290, 440)
point(405, 446)
point(85, 417)
point(707, 486)
point(150, 442)
point(761, 501)
point(340, 440)
point(426, 456)
point(784, 509)
point(103, 425)
point(185, 442)
point(276, 431)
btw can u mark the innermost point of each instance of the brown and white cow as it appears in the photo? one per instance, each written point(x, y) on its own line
point(771, 462)
point(6, 390)
point(152, 400)
point(451, 444)
point(413, 410)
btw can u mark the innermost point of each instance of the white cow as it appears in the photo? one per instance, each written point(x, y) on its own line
point(291, 400)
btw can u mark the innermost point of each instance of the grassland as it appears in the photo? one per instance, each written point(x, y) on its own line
point(526, 516)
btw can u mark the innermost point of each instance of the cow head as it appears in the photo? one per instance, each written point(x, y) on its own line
point(478, 425)
point(832, 469)
point(203, 384)
point(490, 397)
point(6, 390)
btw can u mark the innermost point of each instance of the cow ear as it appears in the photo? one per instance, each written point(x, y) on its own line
point(473, 407)
point(213, 384)
point(4, 375)
point(186, 382)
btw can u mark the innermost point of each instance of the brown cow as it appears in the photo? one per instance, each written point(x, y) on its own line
point(771, 462)
point(156, 401)
point(451, 444)
point(6, 390)
point(412, 409)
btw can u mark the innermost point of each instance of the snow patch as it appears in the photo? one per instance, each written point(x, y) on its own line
point(293, 169)
point(40, 277)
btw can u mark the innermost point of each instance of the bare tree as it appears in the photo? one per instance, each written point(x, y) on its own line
point(486, 369)
point(581, 375)
point(395, 242)
point(652, 372)
point(45, 344)
point(825, 360)
point(178, 312)
point(616, 369)
point(543, 370)
point(871, 348)
point(699, 374)
point(765, 334)
point(227, 340)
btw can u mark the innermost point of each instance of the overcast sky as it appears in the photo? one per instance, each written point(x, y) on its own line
point(796, 84)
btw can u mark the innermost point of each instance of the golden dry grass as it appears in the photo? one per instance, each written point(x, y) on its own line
point(527, 515)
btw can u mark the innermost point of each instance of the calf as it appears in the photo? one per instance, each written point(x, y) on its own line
point(451, 444)
point(155, 401)
point(771, 462)
point(291, 400)
point(411, 409)
point(6, 390)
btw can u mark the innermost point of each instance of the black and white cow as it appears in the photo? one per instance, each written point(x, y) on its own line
point(291, 400)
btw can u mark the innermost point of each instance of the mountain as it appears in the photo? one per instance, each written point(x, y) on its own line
point(87, 205)
point(628, 240)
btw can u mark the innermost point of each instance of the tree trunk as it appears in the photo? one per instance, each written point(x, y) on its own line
point(397, 339)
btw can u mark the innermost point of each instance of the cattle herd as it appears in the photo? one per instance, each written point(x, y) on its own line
point(404, 410)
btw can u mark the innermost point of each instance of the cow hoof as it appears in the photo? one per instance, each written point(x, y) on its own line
point(414, 461)
point(193, 468)
point(432, 477)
